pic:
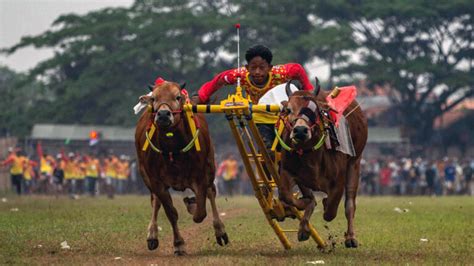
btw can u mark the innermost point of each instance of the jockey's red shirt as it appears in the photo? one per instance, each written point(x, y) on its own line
point(278, 74)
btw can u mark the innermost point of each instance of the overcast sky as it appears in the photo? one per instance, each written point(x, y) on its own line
point(20, 18)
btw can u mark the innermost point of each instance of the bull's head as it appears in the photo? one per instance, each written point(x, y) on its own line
point(303, 114)
point(165, 102)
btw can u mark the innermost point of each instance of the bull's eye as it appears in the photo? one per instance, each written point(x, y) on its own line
point(152, 99)
point(288, 110)
point(178, 98)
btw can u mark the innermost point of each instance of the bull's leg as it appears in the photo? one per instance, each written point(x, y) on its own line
point(285, 193)
point(196, 206)
point(310, 202)
point(352, 183)
point(219, 228)
point(201, 195)
point(331, 203)
point(152, 237)
point(172, 214)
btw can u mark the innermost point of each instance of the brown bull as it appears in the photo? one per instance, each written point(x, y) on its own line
point(330, 171)
point(170, 167)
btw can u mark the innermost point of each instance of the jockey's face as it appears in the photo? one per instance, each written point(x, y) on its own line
point(258, 70)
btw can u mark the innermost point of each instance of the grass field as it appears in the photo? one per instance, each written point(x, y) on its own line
point(99, 231)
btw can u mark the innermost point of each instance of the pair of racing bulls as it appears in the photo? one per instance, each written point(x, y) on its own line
point(323, 170)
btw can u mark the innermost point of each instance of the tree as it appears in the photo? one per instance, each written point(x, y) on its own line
point(104, 59)
point(18, 97)
point(421, 49)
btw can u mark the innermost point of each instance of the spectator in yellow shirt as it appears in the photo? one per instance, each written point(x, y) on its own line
point(47, 164)
point(16, 169)
point(92, 173)
point(122, 174)
point(227, 173)
point(58, 174)
point(70, 173)
point(80, 174)
point(111, 164)
point(28, 174)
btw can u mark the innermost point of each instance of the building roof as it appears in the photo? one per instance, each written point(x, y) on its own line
point(385, 135)
point(81, 132)
point(378, 101)
point(109, 133)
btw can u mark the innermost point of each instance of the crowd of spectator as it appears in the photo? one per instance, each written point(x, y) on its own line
point(417, 176)
point(74, 174)
point(385, 176)
point(77, 174)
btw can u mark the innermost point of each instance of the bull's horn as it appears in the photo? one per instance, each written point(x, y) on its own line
point(182, 85)
point(150, 87)
point(288, 89)
point(297, 83)
point(317, 88)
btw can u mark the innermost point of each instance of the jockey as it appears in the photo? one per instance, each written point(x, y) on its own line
point(257, 77)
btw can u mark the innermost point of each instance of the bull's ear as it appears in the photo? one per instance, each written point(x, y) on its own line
point(150, 87)
point(146, 99)
point(317, 88)
point(182, 85)
point(284, 107)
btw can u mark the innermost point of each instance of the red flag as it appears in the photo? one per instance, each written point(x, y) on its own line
point(39, 149)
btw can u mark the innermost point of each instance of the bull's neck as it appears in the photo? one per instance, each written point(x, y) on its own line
point(174, 138)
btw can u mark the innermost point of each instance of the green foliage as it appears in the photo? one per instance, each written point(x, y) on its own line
point(104, 59)
point(18, 98)
point(421, 49)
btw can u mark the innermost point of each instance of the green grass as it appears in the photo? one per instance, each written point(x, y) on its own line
point(98, 230)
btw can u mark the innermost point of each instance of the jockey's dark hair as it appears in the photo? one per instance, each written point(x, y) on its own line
point(259, 50)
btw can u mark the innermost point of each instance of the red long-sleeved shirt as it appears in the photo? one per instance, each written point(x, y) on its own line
point(278, 74)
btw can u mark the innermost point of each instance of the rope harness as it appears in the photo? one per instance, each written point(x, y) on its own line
point(312, 114)
point(152, 123)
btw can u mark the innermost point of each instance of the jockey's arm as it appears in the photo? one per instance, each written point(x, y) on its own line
point(224, 78)
point(296, 71)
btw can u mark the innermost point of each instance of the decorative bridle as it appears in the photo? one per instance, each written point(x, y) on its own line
point(151, 123)
point(311, 113)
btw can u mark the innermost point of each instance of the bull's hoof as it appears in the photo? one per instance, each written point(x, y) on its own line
point(189, 200)
point(152, 244)
point(222, 240)
point(351, 243)
point(180, 253)
point(199, 218)
point(190, 204)
point(303, 235)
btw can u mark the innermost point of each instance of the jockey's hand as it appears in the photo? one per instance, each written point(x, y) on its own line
point(196, 100)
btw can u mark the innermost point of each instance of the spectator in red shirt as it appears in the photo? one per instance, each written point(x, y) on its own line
point(385, 178)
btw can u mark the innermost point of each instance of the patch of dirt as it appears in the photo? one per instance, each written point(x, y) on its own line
point(195, 236)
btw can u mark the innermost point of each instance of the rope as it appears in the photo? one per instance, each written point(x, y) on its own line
point(183, 150)
point(353, 109)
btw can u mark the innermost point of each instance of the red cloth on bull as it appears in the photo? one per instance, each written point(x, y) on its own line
point(340, 103)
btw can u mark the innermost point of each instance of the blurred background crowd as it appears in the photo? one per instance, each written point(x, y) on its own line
point(76, 174)
point(72, 173)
